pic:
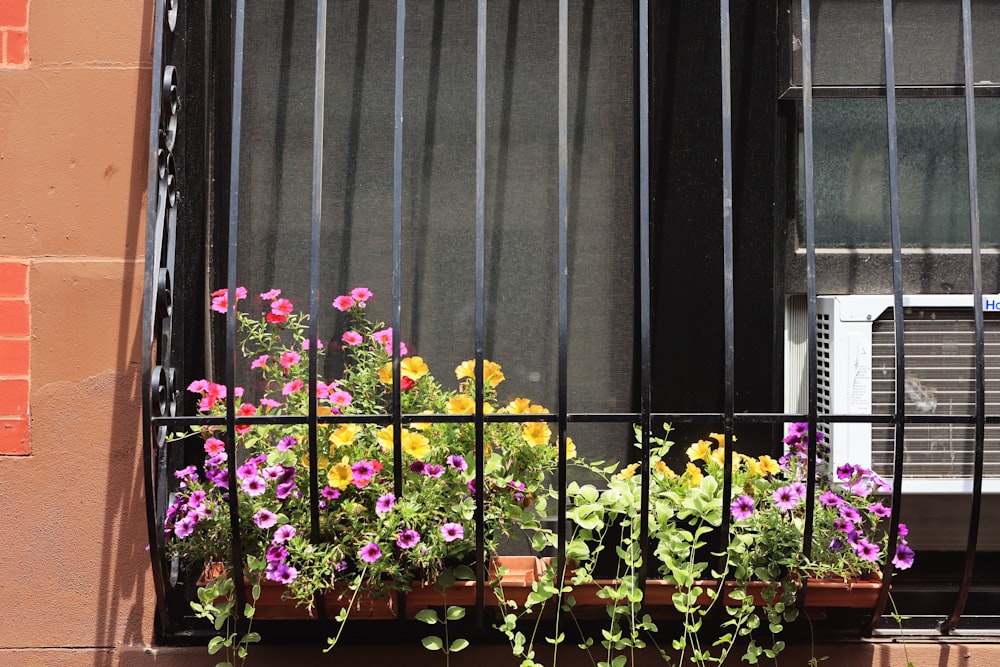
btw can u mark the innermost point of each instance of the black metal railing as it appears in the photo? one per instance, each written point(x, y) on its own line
point(160, 384)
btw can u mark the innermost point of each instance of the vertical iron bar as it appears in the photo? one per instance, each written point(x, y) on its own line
point(977, 304)
point(397, 252)
point(563, 226)
point(480, 304)
point(810, 213)
point(230, 369)
point(897, 310)
point(319, 106)
point(727, 261)
point(645, 351)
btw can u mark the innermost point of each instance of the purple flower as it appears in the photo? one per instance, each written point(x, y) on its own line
point(273, 472)
point(831, 499)
point(265, 518)
point(385, 503)
point(903, 559)
point(282, 573)
point(330, 494)
point(219, 477)
point(836, 544)
point(248, 469)
point(407, 539)
point(283, 534)
point(254, 486)
point(742, 508)
point(850, 513)
point(846, 471)
point(363, 470)
point(286, 443)
point(843, 525)
point(285, 489)
point(189, 473)
point(418, 467)
point(452, 532)
point(880, 483)
point(184, 527)
point(471, 485)
point(903, 530)
point(785, 498)
point(866, 550)
point(879, 510)
point(799, 489)
point(370, 553)
point(276, 554)
point(341, 566)
point(457, 462)
point(433, 470)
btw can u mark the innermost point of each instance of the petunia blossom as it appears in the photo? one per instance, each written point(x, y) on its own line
point(407, 539)
point(452, 531)
point(265, 518)
point(742, 508)
point(370, 553)
point(284, 533)
point(385, 503)
point(903, 559)
point(785, 498)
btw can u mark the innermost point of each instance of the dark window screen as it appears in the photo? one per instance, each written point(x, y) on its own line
point(438, 184)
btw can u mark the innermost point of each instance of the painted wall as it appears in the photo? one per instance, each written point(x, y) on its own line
point(74, 573)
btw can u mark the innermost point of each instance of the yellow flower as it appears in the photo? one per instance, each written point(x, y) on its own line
point(699, 451)
point(720, 438)
point(665, 470)
point(344, 435)
point(518, 406)
point(536, 433)
point(719, 455)
point(340, 475)
point(416, 444)
point(491, 371)
point(461, 404)
point(693, 474)
point(628, 471)
point(537, 410)
point(570, 448)
point(384, 438)
point(422, 426)
point(323, 461)
point(753, 467)
point(385, 374)
point(324, 410)
point(412, 367)
point(769, 465)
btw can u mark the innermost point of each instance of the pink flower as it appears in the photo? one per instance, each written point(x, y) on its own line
point(306, 344)
point(270, 295)
point(361, 294)
point(198, 386)
point(343, 302)
point(292, 387)
point(341, 398)
point(214, 446)
point(351, 338)
point(383, 337)
point(281, 307)
point(220, 298)
point(260, 361)
point(246, 410)
point(269, 403)
point(289, 359)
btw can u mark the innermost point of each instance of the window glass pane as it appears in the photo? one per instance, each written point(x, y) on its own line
point(852, 178)
point(848, 46)
point(438, 249)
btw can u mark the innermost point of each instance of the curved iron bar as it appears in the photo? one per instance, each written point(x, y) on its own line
point(980, 342)
point(157, 372)
point(899, 411)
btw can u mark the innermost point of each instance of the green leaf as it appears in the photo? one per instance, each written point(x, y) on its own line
point(215, 645)
point(432, 643)
point(464, 572)
point(455, 613)
point(458, 645)
point(619, 661)
point(428, 616)
point(248, 610)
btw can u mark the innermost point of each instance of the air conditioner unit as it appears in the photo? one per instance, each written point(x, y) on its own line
point(856, 375)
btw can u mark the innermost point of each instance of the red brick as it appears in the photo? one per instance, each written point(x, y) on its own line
point(14, 318)
point(13, 277)
point(14, 436)
point(14, 398)
point(17, 47)
point(14, 357)
point(14, 13)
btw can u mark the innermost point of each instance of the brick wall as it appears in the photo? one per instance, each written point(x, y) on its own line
point(13, 33)
point(15, 329)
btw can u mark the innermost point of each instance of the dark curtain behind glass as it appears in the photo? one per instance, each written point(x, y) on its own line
point(438, 212)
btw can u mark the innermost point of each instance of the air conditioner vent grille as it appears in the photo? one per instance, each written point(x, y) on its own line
point(940, 380)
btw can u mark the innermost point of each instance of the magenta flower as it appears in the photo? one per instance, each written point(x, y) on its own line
point(269, 403)
point(282, 307)
point(879, 510)
point(265, 518)
point(785, 498)
point(306, 344)
point(866, 550)
point(276, 554)
point(742, 508)
point(270, 295)
point(283, 534)
point(329, 493)
point(417, 467)
point(850, 513)
point(370, 553)
point(220, 298)
point(363, 470)
point(433, 470)
point(285, 489)
point(184, 527)
point(254, 486)
point(289, 359)
point(286, 443)
point(407, 539)
point(846, 471)
point(282, 573)
point(457, 462)
point(831, 499)
point(189, 473)
point(452, 531)
point(341, 398)
point(361, 294)
point(261, 361)
point(343, 302)
point(351, 338)
point(903, 530)
point(385, 503)
point(799, 489)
